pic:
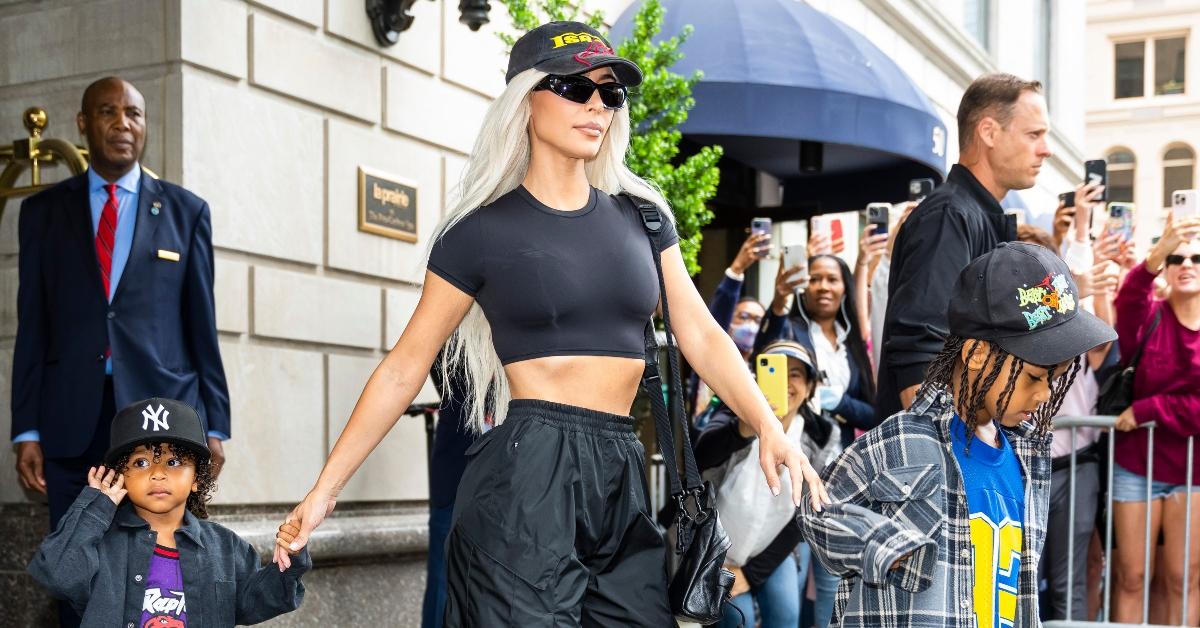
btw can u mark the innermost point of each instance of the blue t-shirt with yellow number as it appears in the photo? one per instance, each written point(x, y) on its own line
point(995, 488)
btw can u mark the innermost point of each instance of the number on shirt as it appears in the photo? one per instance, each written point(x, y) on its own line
point(997, 561)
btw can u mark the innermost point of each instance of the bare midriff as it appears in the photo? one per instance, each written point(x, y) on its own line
point(603, 383)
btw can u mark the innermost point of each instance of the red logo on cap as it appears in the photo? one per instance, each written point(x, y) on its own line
point(595, 48)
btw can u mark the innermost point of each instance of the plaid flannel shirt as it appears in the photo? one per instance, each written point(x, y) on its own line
point(897, 491)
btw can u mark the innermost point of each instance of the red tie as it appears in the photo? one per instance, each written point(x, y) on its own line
point(105, 235)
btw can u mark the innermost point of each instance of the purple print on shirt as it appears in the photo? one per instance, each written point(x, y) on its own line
point(164, 605)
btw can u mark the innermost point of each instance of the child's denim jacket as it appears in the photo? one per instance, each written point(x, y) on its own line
point(98, 558)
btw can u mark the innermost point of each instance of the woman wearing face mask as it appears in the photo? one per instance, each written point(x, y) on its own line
point(825, 319)
point(762, 529)
point(540, 284)
point(740, 315)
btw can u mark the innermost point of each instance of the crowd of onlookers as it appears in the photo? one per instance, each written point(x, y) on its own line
point(828, 318)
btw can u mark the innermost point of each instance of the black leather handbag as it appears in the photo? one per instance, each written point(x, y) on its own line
point(700, 585)
point(1116, 394)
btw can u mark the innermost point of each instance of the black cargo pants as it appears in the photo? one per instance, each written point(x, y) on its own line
point(551, 526)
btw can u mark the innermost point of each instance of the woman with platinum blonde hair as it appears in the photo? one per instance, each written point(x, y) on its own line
point(540, 283)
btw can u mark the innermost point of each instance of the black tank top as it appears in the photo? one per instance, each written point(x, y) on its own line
point(555, 282)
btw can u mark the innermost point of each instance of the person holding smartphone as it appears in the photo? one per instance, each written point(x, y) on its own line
point(824, 318)
point(872, 248)
point(1165, 392)
point(877, 290)
point(762, 530)
point(740, 316)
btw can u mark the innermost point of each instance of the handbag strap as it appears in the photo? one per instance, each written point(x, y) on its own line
point(670, 411)
point(1137, 355)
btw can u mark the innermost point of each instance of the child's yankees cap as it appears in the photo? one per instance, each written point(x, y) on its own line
point(156, 420)
point(566, 48)
point(1022, 297)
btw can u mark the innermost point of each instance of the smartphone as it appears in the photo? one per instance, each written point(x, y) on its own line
point(1067, 199)
point(918, 189)
point(796, 255)
point(772, 375)
point(1184, 204)
point(1096, 171)
point(837, 236)
point(822, 225)
point(761, 226)
point(1120, 220)
point(1019, 214)
point(878, 217)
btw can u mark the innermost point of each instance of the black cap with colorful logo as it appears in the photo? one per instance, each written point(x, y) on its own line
point(566, 48)
point(156, 420)
point(1023, 298)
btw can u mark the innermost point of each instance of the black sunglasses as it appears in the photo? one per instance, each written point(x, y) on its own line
point(1177, 260)
point(579, 89)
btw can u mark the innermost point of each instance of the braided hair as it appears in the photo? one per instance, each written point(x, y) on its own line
point(969, 400)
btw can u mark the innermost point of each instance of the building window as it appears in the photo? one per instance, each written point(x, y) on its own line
point(977, 21)
point(1161, 60)
point(1130, 69)
point(1169, 65)
point(1121, 168)
point(1179, 168)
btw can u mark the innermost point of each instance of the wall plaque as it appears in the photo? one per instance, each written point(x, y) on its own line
point(387, 205)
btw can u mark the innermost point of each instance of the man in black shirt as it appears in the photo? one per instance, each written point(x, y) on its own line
point(1002, 127)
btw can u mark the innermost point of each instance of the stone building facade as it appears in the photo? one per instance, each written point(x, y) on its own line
point(1143, 105)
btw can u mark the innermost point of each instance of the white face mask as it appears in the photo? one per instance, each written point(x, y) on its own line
point(743, 335)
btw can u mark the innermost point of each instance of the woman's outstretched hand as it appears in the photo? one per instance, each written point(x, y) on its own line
point(295, 531)
point(775, 449)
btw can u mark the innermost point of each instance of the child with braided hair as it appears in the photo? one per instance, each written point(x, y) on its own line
point(939, 514)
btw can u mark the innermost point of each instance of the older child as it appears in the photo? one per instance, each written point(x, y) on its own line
point(153, 561)
point(939, 514)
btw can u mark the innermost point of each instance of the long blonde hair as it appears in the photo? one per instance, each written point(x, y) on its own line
point(498, 164)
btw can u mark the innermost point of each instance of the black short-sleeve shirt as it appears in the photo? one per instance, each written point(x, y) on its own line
point(555, 282)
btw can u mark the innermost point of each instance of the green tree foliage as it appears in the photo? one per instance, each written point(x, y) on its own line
point(656, 108)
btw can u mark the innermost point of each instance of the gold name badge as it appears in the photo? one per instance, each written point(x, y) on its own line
point(168, 255)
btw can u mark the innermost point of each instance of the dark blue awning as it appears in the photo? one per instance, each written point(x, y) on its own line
point(777, 72)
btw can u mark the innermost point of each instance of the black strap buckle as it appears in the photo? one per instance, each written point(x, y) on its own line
point(651, 217)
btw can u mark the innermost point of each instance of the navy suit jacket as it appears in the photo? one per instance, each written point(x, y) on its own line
point(161, 324)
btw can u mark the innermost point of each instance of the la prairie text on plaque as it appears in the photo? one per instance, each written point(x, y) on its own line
point(387, 205)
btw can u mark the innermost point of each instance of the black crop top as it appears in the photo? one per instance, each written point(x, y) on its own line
point(556, 282)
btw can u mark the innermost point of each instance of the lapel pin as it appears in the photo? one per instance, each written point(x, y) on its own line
point(154, 208)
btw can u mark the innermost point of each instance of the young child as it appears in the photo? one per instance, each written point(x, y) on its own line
point(153, 561)
point(939, 513)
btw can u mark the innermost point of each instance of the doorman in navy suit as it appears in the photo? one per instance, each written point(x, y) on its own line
point(115, 303)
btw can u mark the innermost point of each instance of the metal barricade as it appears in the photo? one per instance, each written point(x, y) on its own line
point(1103, 619)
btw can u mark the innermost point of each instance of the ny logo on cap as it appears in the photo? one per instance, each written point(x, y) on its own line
point(159, 417)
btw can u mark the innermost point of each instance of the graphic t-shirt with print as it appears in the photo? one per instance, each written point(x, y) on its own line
point(164, 605)
point(995, 488)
